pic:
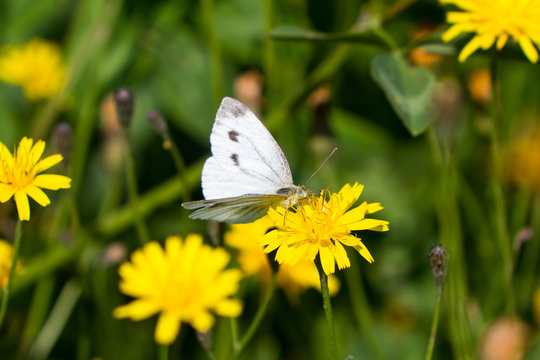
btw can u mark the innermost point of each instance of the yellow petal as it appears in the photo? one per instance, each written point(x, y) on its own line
point(48, 162)
point(167, 328)
point(528, 48)
point(341, 256)
point(362, 250)
point(229, 308)
point(501, 41)
point(136, 310)
point(23, 208)
point(36, 151)
point(202, 321)
point(468, 49)
point(327, 260)
point(6, 192)
point(52, 181)
point(38, 195)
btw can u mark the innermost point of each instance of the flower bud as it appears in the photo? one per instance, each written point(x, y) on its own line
point(123, 98)
point(438, 261)
point(157, 122)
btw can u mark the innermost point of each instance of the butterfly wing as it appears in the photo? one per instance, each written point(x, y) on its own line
point(236, 210)
point(245, 157)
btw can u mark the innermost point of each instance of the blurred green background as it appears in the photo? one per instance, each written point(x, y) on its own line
point(310, 70)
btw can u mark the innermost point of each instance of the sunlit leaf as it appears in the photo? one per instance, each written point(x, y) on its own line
point(409, 90)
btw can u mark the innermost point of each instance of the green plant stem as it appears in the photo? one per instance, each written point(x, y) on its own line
point(7, 289)
point(450, 235)
point(327, 305)
point(170, 145)
point(39, 307)
point(163, 352)
point(140, 225)
point(500, 217)
point(238, 347)
point(57, 320)
point(113, 222)
point(434, 325)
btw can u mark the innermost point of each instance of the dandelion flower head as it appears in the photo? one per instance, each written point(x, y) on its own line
point(494, 22)
point(36, 66)
point(184, 281)
point(20, 178)
point(323, 227)
point(293, 279)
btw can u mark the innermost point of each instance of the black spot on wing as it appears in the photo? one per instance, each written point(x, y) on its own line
point(233, 135)
point(238, 111)
point(234, 158)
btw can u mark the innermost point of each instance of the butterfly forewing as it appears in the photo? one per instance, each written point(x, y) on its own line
point(245, 157)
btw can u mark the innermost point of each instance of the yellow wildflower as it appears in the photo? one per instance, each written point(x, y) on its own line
point(522, 159)
point(253, 261)
point(36, 66)
point(494, 22)
point(184, 281)
point(322, 227)
point(19, 175)
point(6, 257)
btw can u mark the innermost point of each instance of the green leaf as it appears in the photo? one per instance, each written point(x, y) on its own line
point(295, 33)
point(409, 90)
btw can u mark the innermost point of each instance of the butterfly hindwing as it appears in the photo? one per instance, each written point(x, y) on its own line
point(237, 210)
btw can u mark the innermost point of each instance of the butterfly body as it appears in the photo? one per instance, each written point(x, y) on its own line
point(247, 172)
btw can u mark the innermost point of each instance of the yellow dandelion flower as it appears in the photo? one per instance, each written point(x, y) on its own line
point(36, 66)
point(494, 22)
point(322, 227)
point(6, 257)
point(253, 261)
point(185, 281)
point(19, 175)
point(522, 159)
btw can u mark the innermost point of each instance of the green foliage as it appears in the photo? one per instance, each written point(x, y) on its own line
point(332, 74)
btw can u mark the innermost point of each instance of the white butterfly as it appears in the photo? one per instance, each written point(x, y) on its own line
point(247, 172)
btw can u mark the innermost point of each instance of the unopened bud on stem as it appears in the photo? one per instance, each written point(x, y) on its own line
point(123, 98)
point(438, 260)
point(156, 121)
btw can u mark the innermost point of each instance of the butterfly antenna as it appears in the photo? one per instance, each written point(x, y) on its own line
point(320, 167)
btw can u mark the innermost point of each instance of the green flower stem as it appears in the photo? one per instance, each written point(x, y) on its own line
point(361, 309)
point(450, 235)
point(7, 289)
point(500, 217)
point(434, 325)
point(238, 347)
point(60, 314)
point(327, 305)
point(163, 352)
point(170, 145)
point(140, 225)
point(39, 307)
